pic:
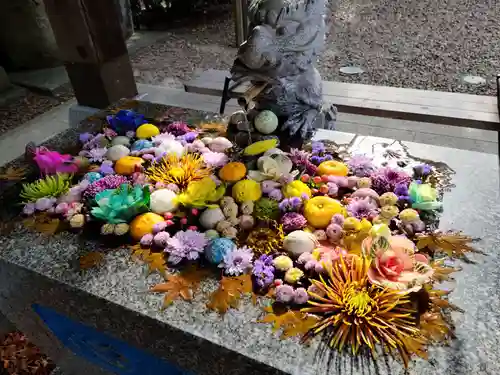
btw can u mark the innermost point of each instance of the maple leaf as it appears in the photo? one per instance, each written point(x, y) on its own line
point(42, 223)
point(292, 323)
point(156, 263)
point(454, 244)
point(229, 293)
point(434, 327)
point(92, 259)
point(139, 253)
point(182, 285)
point(13, 174)
point(441, 272)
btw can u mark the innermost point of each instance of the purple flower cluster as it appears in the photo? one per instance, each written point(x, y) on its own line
point(293, 221)
point(95, 155)
point(401, 190)
point(301, 158)
point(105, 183)
point(422, 170)
point(263, 271)
point(386, 179)
point(178, 128)
point(187, 244)
point(293, 204)
point(286, 294)
point(318, 151)
point(361, 165)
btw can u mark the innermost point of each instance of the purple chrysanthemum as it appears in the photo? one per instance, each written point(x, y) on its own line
point(105, 183)
point(361, 208)
point(98, 141)
point(317, 147)
point(361, 165)
point(238, 261)
point(178, 128)
point(301, 296)
point(263, 271)
point(187, 244)
point(386, 179)
point(293, 221)
point(106, 168)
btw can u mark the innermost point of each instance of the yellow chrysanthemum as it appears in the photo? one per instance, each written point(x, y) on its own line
point(173, 169)
point(266, 240)
point(355, 314)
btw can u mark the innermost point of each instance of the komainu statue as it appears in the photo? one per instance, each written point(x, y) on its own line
point(285, 39)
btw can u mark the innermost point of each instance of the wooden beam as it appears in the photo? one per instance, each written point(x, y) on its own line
point(93, 49)
point(240, 20)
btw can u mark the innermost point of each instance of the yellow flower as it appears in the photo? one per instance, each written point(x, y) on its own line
point(247, 190)
point(293, 275)
point(296, 189)
point(283, 263)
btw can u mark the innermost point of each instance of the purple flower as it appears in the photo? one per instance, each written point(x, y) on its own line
point(316, 160)
point(269, 185)
point(178, 128)
point(106, 167)
point(147, 240)
point(293, 204)
point(276, 195)
point(85, 137)
point(187, 244)
point(422, 170)
point(98, 141)
point(299, 157)
point(238, 261)
point(361, 165)
point(317, 147)
point(161, 239)
point(189, 137)
point(29, 208)
point(285, 293)
point(386, 179)
point(263, 271)
point(105, 183)
point(361, 208)
point(293, 221)
point(300, 296)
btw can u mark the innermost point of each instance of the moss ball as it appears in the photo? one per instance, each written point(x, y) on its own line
point(267, 209)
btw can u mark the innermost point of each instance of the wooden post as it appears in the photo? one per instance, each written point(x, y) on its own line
point(240, 20)
point(93, 48)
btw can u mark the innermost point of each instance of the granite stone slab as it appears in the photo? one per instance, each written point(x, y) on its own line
point(113, 298)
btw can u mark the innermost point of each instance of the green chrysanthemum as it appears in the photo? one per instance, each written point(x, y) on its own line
point(48, 186)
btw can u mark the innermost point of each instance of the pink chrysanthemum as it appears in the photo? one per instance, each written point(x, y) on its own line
point(362, 208)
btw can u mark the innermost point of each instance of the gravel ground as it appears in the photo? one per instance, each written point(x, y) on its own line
point(427, 44)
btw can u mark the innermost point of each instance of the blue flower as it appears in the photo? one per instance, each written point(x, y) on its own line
point(125, 120)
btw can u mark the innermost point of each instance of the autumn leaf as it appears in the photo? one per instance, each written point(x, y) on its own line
point(441, 272)
point(292, 323)
point(229, 293)
point(90, 260)
point(434, 327)
point(182, 285)
point(214, 127)
point(139, 253)
point(43, 224)
point(438, 303)
point(13, 174)
point(156, 263)
point(454, 244)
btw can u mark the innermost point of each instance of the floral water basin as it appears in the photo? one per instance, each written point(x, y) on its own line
point(348, 247)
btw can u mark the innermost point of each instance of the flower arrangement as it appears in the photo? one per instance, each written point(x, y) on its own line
point(345, 246)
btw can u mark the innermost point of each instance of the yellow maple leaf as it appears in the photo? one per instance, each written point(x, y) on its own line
point(13, 174)
point(292, 323)
point(454, 244)
point(90, 260)
point(441, 272)
point(156, 263)
point(229, 293)
point(182, 285)
point(139, 253)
